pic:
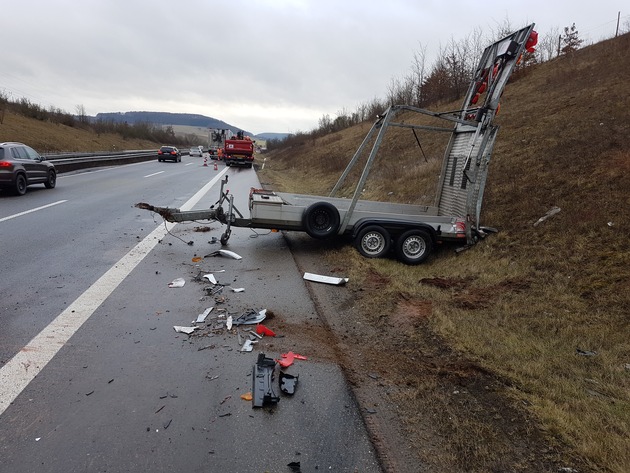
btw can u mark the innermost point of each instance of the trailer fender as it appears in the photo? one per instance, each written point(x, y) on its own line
point(321, 220)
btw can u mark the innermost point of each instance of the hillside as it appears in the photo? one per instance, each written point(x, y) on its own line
point(515, 354)
point(167, 118)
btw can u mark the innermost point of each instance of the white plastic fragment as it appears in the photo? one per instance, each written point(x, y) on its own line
point(247, 346)
point(210, 277)
point(325, 279)
point(228, 322)
point(186, 330)
point(551, 212)
point(202, 317)
point(228, 253)
point(179, 282)
point(237, 289)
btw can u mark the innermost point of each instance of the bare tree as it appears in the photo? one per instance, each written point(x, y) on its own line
point(418, 71)
point(548, 45)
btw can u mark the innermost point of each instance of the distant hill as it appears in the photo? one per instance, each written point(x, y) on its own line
point(272, 136)
point(167, 118)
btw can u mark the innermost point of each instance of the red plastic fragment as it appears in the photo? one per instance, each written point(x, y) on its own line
point(286, 359)
point(262, 330)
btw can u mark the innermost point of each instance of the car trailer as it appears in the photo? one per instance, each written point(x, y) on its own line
point(412, 230)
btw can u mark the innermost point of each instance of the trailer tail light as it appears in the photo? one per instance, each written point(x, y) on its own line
point(460, 229)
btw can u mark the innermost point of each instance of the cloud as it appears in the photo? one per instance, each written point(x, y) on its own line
point(262, 65)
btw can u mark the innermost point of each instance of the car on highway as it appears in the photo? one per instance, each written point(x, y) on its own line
point(169, 153)
point(22, 166)
point(195, 152)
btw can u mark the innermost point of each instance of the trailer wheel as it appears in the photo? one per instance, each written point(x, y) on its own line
point(414, 246)
point(373, 241)
point(321, 220)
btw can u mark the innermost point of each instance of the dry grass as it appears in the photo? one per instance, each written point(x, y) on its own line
point(519, 304)
point(48, 137)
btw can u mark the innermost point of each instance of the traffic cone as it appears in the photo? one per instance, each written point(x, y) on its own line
point(205, 161)
point(216, 166)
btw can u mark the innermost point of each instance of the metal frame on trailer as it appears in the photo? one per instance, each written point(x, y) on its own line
point(456, 212)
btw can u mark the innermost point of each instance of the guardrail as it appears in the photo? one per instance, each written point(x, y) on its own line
point(66, 162)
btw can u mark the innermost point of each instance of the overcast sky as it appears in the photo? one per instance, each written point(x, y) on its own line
point(260, 65)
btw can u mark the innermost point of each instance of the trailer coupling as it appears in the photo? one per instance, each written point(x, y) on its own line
point(177, 215)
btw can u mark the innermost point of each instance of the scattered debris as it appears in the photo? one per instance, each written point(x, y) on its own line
point(247, 396)
point(210, 277)
point(228, 322)
point(186, 330)
point(91, 392)
point(262, 387)
point(288, 382)
point(160, 408)
point(585, 352)
point(325, 279)
point(201, 229)
point(196, 259)
point(552, 212)
point(202, 317)
point(179, 282)
point(167, 423)
point(225, 399)
point(206, 347)
point(251, 317)
point(286, 359)
point(237, 289)
point(227, 253)
point(262, 330)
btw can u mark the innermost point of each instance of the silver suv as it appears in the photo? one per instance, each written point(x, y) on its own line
point(21, 166)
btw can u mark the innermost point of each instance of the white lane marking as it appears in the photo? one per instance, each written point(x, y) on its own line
point(20, 370)
point(188, 164)
point(154, 174)
point(4, 219)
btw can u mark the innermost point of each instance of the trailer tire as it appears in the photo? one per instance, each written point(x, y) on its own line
point(373, 241)
point(414, 246)
point(321, 220)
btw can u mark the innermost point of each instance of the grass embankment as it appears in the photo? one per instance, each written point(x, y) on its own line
point(521, 303)
point(47, 137)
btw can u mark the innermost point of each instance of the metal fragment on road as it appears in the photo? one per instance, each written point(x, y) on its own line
point(186, 330)
point(251, 317)
point(325, 279)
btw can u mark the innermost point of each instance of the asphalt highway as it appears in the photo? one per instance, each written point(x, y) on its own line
point(93, 376)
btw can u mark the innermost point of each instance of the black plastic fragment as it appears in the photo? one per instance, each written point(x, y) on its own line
point(262, 382)
point(295, 467)
point(288, 382)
